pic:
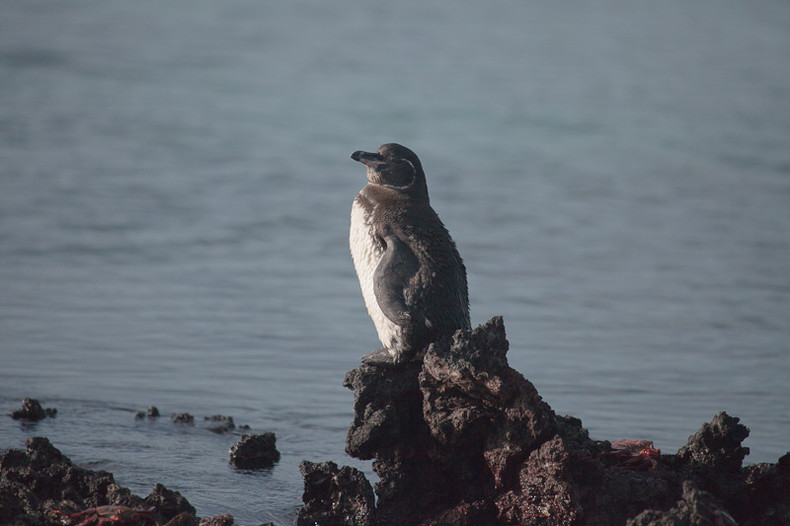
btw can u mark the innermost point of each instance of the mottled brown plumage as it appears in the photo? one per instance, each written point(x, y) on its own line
point(411, 275)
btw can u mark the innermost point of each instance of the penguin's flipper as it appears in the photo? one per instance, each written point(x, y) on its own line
point(393, 273)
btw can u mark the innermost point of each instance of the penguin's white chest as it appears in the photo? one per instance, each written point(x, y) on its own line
point(367, 251)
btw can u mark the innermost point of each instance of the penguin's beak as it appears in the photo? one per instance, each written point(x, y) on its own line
point(367, 158)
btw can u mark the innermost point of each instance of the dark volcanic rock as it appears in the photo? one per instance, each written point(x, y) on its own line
point(717, 445)
point(464, 439)
point(38, 484)
point(473, 401)
point(32, 481)
point(218, 520)
point(168, 503)
point(448, 433)
point(714, 457)
point(696, 507)
point(255, 451)
point(332, 496)
point(31, 410)
point(222, 424)
point(568, 480)
point(769, 496)
point(184, 519)
point(153, 412)
point(182, 418)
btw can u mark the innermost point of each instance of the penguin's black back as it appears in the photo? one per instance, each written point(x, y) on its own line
point(438, 291)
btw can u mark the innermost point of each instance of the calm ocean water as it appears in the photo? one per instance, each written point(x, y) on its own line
point(175, 189)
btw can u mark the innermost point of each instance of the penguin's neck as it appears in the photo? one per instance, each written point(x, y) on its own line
point(378, 193)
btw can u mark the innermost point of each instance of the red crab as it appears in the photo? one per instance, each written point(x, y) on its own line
point(112, 516)
point(635, 454)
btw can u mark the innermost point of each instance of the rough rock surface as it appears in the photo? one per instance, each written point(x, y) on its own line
point(335, 496)
point(696, 507)
point(38, 483)
point(32, 411)
point(255, 451)
point(218, 520)
point(463, 439)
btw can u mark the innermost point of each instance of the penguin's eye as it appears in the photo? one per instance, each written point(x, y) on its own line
point(400, 173)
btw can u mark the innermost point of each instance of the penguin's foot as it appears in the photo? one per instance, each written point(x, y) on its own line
point(380, 357)
point(386, 358)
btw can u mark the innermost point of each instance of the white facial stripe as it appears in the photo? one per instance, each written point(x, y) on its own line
point(412, 166)
point(372, 169)
point(398, 187)
point(413, 170)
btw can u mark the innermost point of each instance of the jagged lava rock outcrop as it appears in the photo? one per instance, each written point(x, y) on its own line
point(463, 439)
point(447, 434)
point(39, 486)
point(335, 496)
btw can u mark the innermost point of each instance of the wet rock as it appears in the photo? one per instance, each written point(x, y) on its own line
point(221, 424)
point(255, 451)
point(182, 418)
point(36, 482)
point(168, 503)
point(341, 497)
point(32, 411)
point(153, 412)
point(40, 483)
point(218, 520)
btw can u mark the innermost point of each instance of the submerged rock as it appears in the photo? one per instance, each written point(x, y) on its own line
point(220, 424)
point(255, 451)
point(182, 418)
point(153, 412)
point(464, 439)
point(32, 411)
point(341, 497)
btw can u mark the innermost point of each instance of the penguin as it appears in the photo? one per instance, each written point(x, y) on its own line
point(412, 277)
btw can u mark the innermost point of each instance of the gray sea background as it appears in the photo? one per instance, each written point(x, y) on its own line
point(175, 191)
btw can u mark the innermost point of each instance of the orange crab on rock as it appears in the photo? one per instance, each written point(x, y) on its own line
point(635, 454)
point(112, 516)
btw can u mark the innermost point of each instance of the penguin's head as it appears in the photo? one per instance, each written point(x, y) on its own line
point(396, 167)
